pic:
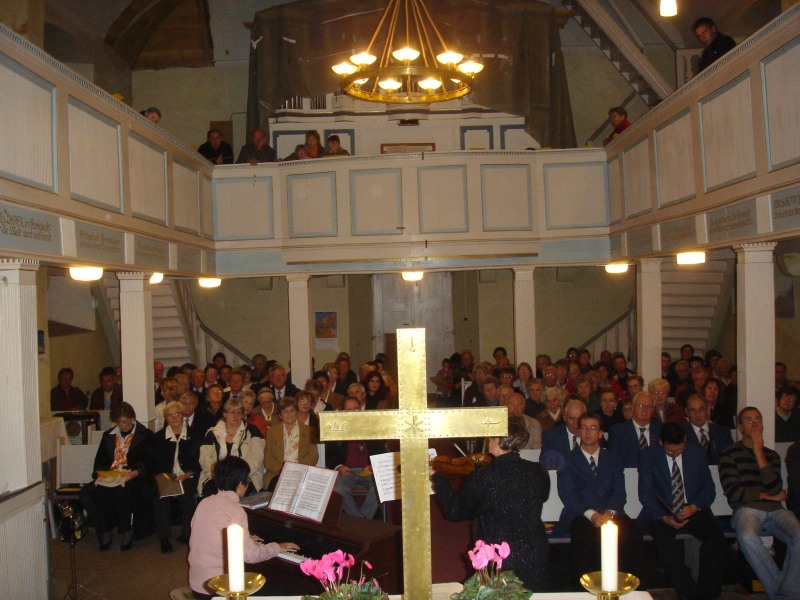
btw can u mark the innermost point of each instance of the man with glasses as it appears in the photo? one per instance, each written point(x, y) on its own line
point(630, 438)
point(591, 486)
point(750, 475)
point(559, 441)
point(676, 491)
point(703, 433)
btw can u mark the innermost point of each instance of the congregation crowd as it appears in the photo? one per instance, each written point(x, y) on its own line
point(590, 420)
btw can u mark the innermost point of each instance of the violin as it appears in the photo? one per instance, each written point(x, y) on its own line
point(460, 465)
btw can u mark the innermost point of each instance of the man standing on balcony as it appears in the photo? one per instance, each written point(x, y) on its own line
point(716, 43)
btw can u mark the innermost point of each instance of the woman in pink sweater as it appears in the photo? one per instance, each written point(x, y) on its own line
point(212, 517)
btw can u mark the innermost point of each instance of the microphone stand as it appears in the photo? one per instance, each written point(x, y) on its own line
point(71, 527)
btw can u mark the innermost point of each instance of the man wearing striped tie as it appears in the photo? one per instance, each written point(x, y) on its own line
point(591, 486)
point(712, 438)
point(676, 491)
point(628, 439)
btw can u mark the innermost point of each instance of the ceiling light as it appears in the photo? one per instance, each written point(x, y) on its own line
point(209, 282)
point(617, 268)
point(415, 65)
point(412, 275)
point(691, 258)
point(669, 8)
point(86, 273)
point(344, 68)
point(156, 278)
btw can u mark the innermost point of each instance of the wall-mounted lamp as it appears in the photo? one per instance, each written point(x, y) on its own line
point(691, 258)
point(617, 268)
point(668, 8)
point(412, 275)
point(156, 278)
point(86, 273)
point(209, 282)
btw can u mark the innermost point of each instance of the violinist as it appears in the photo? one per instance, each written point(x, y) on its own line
point(505, 499)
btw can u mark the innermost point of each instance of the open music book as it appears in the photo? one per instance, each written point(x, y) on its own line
point(303, 491)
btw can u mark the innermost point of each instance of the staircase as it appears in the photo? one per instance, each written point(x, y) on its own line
point(624, 54)
point(170, 344)
point(694, 301)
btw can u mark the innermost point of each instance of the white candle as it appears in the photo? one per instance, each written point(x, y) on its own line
point(236, 558)
point(608, 556)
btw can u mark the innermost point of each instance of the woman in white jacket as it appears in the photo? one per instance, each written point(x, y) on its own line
point(231, 436)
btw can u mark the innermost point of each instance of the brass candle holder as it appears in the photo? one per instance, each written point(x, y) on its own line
point(592, 583)
point(252, 583)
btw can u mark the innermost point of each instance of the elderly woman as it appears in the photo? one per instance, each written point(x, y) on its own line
point(287, 441)
point(207, 548)
point(170, 390)
point(176, 453)
point(231, 436)
point(265, 415)
point(126, 447)
point(214, 396)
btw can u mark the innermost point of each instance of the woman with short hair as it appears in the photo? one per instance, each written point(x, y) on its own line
point(287, 441)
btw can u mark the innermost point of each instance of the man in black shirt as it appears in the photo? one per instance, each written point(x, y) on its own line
point(716, 43)
point(216, 150)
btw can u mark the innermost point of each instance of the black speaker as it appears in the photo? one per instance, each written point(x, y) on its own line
point(78, 423)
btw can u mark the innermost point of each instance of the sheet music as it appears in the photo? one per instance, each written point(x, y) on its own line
point(291, 477)
point(303, 491)
point(386, 470)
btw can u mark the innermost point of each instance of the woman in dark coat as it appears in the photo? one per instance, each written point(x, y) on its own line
point(126, 448)
point(505, 499)
point(176, 454)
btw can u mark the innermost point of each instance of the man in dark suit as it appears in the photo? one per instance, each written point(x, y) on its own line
point(628, 439)
point(109, 395)
point(278, 384)
point(560, 440)
point(591, 486)
point(199, 421)
point(717, 437)
point(676, 490)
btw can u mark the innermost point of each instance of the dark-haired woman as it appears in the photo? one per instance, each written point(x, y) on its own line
point(211, 519)
point(378, 397)
point(505, 499)
point(125, 448)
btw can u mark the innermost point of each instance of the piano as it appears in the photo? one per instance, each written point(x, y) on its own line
point(378, 543)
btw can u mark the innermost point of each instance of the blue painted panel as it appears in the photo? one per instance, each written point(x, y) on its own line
point(393, 228)
point(292, 182)
point(29, 230)
point(461, 222)
point(100, 244)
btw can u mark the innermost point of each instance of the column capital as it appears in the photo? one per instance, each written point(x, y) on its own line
point(523, 272)
point(133, 275)
point(649, 261)
point(760, 252)
point(18, 270)
point(298, 278)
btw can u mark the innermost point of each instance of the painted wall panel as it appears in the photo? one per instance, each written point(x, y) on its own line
point(443, 203)
point(576, 195)
point(675, 161)
point(638, 188)
point(781, 80)
point(186, 202)
point(506, 196)
point(615, 189)
point(148, 177)
point(312, 205)
point(728, 152)
point(242, 208)
point(28, 113)
point(376, 202)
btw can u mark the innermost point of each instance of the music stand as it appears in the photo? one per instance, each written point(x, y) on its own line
point(72, 529)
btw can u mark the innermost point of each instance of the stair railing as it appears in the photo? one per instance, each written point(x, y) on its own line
point(624, 323)
point(204, 341)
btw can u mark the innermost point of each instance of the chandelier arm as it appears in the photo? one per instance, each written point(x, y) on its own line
point(380, 24)
point(422, 32)
point(433, 25)
point(387, 48)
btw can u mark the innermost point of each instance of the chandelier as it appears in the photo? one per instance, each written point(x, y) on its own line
point(411, 73)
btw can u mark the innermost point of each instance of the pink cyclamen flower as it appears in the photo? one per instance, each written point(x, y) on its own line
point(308, 567)
point(479, 559)
point(503, 550)
point(367, 564)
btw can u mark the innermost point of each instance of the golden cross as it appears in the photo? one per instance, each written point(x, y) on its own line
point(413, 424)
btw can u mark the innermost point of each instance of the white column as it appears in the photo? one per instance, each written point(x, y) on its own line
point(22, 532)
point(755, 331)
point(299, 329)
point(19, 427)
point(524, 316)
point(136, 341)
point(649, 334)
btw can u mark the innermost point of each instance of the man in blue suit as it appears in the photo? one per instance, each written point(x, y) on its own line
point(717, 437)
point(559, 441)
point(628, 439)
point(591, 486)
point(676, 490)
